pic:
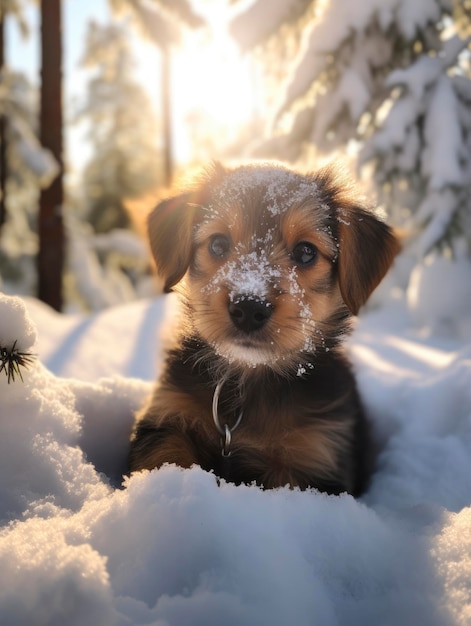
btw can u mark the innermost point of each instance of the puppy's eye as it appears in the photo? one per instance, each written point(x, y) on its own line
point(219, 245)
point(304, 253)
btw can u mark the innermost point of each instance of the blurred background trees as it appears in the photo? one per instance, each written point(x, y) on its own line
point(26, 165)
point(123, 130)
point(384, 85)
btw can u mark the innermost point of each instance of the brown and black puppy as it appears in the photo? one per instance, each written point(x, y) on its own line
point(271, 264)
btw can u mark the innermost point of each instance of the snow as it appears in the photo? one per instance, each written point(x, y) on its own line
point(18, 104)
point(277, 183)
point(336, 24)
point(172, 547)
point(443, 137)
point(252, 273)
point(260, 19)
point(430, 307)
point(38, 160)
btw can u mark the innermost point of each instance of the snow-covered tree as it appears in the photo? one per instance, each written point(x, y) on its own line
point(161, 22)
point(16, 8)
point(262, 19)
point(103, 269)
point(394, 76)
point(123, 130)
point(30, 167)
point(27, 168)
point(29, 161)
point(159, 19)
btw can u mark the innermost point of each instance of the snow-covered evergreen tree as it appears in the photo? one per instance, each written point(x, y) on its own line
point(123, 130)
point(28, 160)
point(18, 102)
point(103, 269)
point(393, 75)
point(29, 167)
point(159, 20)
point(257, 22)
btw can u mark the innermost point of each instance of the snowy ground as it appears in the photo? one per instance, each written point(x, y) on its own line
point(173, 548)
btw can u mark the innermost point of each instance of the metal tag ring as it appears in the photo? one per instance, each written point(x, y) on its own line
point(225, 431)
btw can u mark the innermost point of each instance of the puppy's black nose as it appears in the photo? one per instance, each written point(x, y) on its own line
point(249, 313)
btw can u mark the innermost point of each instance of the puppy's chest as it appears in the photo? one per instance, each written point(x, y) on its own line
point(269, 437)
point(269, 431)
point(262, 416)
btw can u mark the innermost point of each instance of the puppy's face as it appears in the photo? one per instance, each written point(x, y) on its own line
point(275, 262)
point(262, 281)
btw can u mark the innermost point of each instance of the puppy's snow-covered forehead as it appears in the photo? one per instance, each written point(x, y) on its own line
point(264, 209)
point(272, 187)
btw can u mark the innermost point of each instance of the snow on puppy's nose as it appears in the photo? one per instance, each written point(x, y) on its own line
point(252, 274)
point(248, 274)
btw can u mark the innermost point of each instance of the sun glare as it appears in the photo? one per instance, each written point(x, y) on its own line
point(212, 86)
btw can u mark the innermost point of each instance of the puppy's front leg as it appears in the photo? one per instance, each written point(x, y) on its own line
point(153, 446)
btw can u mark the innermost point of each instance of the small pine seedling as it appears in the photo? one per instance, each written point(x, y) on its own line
point(12, 360)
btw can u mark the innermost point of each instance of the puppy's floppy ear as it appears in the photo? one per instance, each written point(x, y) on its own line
point(170, 228)
point(367, 249)
point(171, 225)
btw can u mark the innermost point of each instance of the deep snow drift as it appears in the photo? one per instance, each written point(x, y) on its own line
point(173, 548)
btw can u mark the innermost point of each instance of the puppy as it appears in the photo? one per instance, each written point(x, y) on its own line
point(271, 265)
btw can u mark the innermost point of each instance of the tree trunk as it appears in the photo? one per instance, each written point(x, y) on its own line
point(3, 159)
point(50, 225)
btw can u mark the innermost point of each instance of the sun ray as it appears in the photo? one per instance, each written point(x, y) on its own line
point(213, 87)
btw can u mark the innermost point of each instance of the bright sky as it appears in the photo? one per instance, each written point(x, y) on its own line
point(207, 74)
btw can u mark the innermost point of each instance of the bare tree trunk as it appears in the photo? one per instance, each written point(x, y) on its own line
point(3, 147)
point(167, 116)
point(50, 226)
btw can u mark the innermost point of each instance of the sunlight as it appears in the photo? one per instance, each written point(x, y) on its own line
point(210, 73)
point(381, 363)
point(427, 354)
point(213, 86)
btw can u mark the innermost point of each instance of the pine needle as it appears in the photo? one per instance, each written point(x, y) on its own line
point(13, 360)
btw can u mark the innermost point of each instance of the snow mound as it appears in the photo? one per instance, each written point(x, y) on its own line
point(439, 296)
point(173, 547)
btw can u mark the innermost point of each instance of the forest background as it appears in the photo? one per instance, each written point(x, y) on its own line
point(104, 105)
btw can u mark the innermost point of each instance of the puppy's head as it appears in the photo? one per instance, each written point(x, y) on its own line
point(273, 261)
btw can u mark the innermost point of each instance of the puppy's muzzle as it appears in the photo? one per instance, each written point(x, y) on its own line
point(249, 313)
